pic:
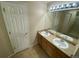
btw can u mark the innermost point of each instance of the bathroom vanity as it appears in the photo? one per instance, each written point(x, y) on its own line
point(55, 46)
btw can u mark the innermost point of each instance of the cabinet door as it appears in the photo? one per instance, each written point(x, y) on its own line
point(44, 43)
point(51, 50)
point(39, 38)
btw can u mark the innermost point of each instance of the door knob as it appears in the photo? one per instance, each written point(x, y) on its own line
point(26, 33)
point(9, 32)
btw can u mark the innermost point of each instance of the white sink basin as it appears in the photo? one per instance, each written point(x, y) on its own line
point(60, 43)
point(66, 37)
point(45, 33)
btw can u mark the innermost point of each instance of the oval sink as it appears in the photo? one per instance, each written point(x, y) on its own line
point(60, 43)
point(45, 33)
point(66, 37)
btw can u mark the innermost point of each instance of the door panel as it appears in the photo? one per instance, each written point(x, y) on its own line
point(17, 25)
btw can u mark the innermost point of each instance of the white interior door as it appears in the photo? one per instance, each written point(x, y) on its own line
point(16, 21)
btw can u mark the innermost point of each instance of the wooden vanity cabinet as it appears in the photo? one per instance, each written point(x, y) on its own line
point(54, 52)
point(49, 48)
point(42, 42)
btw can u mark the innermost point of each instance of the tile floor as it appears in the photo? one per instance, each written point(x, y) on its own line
point(34, 52)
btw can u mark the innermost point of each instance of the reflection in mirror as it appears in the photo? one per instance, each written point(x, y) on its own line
point(68, 22)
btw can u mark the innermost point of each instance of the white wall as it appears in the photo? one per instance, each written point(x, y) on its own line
point(39, 18)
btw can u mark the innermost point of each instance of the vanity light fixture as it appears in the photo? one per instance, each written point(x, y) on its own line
point(65, 6)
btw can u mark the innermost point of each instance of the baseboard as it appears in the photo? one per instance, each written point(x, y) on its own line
point(11, 55)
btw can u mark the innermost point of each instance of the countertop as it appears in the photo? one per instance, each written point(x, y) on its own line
point(70, 51)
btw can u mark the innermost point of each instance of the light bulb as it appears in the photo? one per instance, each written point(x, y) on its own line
point(53, 8)
point(68, 5)
point(62, 6)
point(58, 7)
point(50, 9)
point(74, 4)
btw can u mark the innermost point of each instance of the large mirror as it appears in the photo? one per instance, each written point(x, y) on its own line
point(68, 22)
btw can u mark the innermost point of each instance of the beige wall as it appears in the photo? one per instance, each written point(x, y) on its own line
point(5, 46)
point(39, 18)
